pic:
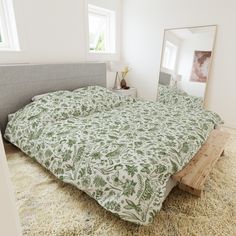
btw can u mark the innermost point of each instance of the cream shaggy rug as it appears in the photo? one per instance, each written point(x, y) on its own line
point(49, 207)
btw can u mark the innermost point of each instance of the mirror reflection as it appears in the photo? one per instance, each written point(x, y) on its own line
point(186, 59)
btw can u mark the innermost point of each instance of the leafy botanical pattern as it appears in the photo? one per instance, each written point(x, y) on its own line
point(118, 150)
point(173, 96)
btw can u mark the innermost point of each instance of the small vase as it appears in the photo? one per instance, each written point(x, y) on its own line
point(123, 84)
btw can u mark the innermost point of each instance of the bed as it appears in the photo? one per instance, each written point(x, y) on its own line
point(119, 150)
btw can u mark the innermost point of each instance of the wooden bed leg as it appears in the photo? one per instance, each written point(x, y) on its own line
point(191, 190)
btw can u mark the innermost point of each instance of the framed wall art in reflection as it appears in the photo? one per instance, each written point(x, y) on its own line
point(201, 66)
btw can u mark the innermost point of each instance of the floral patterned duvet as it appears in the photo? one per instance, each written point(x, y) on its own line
point(118, 150)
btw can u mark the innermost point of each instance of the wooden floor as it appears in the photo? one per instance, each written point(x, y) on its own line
point(193, 176)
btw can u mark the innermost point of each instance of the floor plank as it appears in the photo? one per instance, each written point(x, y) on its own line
point(193, 176)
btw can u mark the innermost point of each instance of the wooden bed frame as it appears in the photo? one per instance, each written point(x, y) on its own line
point(193, 176)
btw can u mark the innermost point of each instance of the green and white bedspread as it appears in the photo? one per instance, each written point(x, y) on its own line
point(118, 150)
point(174, 96)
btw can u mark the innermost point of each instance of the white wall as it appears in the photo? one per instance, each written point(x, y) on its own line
point(55, 32)
point(112, 5)
point(49, 31)
point(9, 220)
point(143, 27)
point(197, 42)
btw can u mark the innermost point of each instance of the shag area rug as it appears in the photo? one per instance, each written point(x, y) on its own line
point(49, 207)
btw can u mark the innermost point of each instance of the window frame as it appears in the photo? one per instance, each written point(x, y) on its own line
point(109, 16)
point(103, 56)
point(8, 27)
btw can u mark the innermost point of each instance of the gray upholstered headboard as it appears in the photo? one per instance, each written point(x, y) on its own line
point(164, 78)
point(19, 83)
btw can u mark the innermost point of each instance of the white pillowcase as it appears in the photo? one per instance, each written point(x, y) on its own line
point(37, 97)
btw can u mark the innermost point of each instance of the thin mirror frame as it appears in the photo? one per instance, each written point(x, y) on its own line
point(212, 57)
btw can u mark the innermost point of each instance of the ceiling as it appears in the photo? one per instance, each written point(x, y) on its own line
point(186, 33)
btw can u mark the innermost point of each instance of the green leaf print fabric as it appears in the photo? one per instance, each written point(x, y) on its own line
point(118, 150)
point(173, 96)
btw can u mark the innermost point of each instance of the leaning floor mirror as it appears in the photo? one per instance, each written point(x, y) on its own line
point(186, 60)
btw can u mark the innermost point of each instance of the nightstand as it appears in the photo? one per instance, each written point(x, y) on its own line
point(131, 92)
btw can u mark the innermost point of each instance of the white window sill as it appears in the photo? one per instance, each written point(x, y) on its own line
point(9, 50)
point(94, 56)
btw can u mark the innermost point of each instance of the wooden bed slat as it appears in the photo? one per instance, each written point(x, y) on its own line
point(193, 176)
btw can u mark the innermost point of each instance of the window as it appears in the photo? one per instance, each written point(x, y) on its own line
point(8, 34)
point(101, 30)
point(170, 55)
